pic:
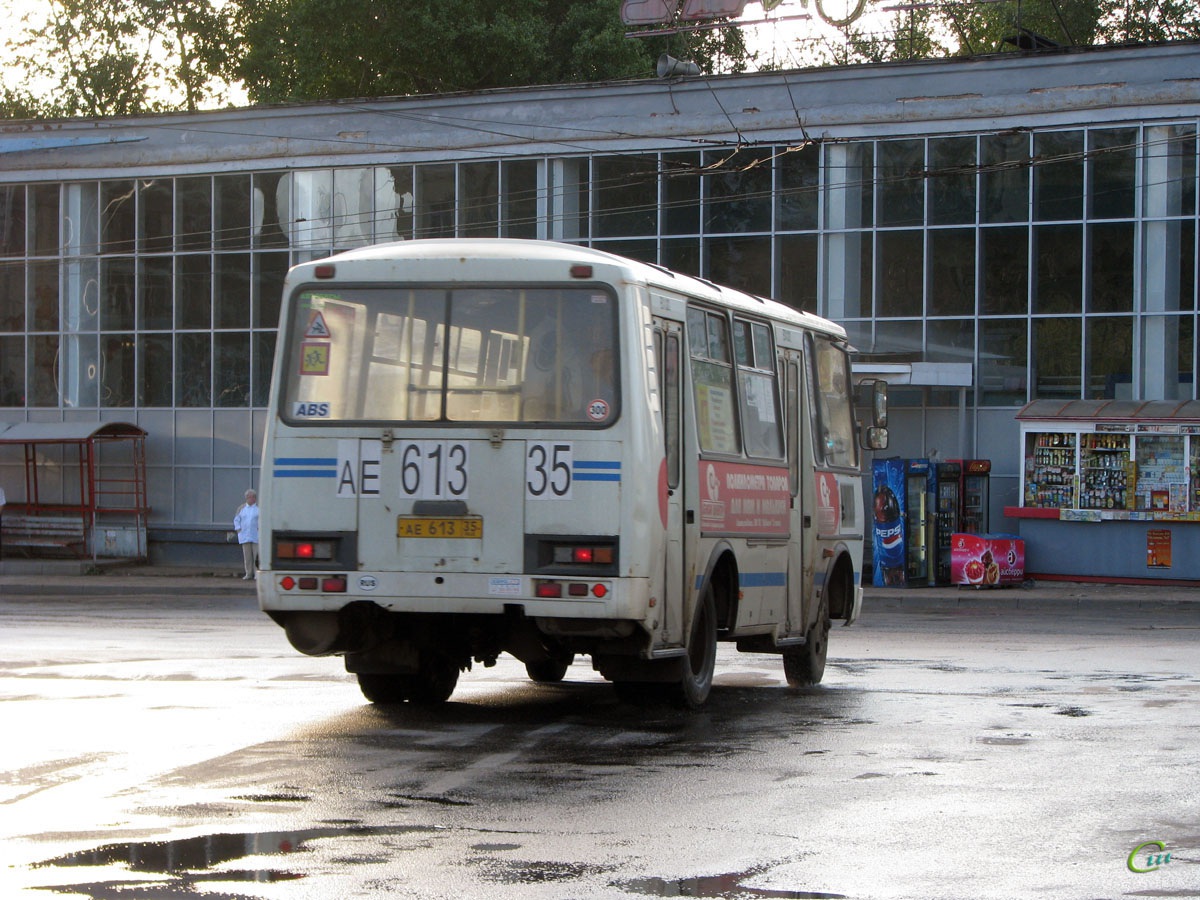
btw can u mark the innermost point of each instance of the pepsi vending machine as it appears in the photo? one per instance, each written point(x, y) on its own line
point(903, 523)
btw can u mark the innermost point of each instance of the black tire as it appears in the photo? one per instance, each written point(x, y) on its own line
point(385, 689)
point(431, 686)
point(435, 682)
point(804, 666)
point(695, 681)
point(548, 671)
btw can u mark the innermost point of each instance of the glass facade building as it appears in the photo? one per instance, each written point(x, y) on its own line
point(1057, 258)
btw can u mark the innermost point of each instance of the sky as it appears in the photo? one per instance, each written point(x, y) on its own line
point(793, 24)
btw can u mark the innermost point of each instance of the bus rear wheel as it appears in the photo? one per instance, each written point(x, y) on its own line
point(695, 682)
point(431, 686)
point(805, 665)
point(548, 671)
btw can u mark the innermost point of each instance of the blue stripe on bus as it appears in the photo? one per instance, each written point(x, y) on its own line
point(762, 579)
point(290, 467)
point(754, 579)
point(597, 470)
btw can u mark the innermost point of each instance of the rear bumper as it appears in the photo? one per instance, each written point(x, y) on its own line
point(435, 592)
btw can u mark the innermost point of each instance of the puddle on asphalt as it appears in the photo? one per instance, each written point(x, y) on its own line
point(1075, 712)
point(191, 861)
point(440, 801)
point(1005, 740)
point(532, 872)
point(721, 887)
point(188, 863)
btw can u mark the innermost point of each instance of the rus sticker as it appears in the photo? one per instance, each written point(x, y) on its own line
point(504, 586)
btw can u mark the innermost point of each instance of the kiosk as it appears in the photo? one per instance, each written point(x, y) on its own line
point(1108, 487)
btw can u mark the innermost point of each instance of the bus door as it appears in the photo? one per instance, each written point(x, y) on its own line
point(801, 525)
point(672, 499)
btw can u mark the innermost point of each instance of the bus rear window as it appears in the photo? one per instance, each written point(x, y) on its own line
point(418, 354)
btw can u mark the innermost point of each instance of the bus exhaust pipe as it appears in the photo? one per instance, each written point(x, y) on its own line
point(315, 633)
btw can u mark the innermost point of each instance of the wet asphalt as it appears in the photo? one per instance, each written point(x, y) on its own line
point(965, 743)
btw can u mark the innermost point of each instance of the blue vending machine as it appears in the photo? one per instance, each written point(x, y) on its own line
point(903, 516)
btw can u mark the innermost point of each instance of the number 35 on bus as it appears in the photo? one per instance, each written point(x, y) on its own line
point(477, 447)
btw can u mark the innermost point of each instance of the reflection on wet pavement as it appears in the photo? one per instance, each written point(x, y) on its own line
point(191, 861)
point(719, 886)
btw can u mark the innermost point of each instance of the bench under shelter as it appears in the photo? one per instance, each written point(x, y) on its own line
point(85, 490)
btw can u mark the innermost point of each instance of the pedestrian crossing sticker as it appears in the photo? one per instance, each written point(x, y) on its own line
point(317, 327)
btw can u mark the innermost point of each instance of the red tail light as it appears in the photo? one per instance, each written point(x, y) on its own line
point(305, 550)
point(583, 555)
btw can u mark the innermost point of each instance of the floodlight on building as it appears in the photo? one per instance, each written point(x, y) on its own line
point(1025, 39)
point(670, 67)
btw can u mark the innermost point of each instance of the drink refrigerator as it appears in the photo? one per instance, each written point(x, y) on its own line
point(948, 493)
point(903, 522)
point(974, 516)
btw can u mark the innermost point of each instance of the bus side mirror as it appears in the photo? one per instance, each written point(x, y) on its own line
point(873, 438)
point(871, 398)
point(870, 402)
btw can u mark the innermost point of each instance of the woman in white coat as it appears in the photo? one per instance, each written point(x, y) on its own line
point(245, 523)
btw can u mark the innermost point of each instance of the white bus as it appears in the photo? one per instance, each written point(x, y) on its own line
point(478, 447)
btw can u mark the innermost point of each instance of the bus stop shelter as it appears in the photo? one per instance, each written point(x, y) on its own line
point(85, 490)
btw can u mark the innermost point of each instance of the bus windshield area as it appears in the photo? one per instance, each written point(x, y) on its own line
point(836, 444)
point(460, 354)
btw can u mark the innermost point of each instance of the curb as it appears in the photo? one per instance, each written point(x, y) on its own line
point(21, 577)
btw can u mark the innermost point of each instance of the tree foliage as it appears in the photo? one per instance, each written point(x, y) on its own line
point(21, 104)
point(970, 28)
point(116, 57)
point(324, 49)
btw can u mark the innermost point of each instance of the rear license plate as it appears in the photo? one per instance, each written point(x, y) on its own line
point(427, 527)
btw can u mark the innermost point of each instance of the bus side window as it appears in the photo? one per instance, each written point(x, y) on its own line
point(762, 430)
point(712, 382)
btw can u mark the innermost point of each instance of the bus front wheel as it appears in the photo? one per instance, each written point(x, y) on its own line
point(805, 665)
